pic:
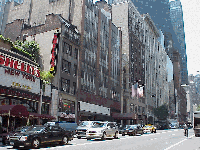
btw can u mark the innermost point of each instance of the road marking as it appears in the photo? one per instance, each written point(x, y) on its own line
point(178, 142)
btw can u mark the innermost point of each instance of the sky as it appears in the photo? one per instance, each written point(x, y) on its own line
point(191, 17)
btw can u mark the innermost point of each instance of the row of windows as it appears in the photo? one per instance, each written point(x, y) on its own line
point(66, 87)
point(66, 67)
point(67, 49)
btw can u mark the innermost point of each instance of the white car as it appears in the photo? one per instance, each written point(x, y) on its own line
point(103, 130)
point(82, 128)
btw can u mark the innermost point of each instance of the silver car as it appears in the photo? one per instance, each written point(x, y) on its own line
point(103, 130)
point(83, 127)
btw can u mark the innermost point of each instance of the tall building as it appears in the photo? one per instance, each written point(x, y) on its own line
point(2, 5)
point(159, 10)
point(133, 49)
point(176, 15)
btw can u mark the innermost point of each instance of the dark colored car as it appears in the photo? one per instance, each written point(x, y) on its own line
point(132, 130)
point(40, 135)
point(5, 136)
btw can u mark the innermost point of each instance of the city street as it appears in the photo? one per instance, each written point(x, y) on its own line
point(172, 139)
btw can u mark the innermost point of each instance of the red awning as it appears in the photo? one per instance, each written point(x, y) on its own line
point(42, 116)
point(34, 115)
point(124, 116)
point(14, 110)
point(45, 116)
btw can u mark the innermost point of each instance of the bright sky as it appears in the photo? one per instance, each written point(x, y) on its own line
point(191, 17)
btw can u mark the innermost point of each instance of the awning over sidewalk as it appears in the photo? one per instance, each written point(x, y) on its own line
point(124, 116)
point(14, 110)
point(45, 116)
point(21, 111)
point(42, 116)
point(65, 115)
point(34, 115)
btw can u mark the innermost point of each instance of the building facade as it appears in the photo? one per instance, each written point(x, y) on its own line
point(133, 50)
point(98, 62)
point(176, 15)
point(23, 101)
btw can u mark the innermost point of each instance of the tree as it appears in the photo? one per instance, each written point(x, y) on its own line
point(31, 48)
point(198, 108)
point(46, 76)
point(161, 112)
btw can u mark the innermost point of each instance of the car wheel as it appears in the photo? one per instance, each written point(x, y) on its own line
point(116, 135)
point(103, 136)
point(36, 143)
point(123, 134)
point(64, 140)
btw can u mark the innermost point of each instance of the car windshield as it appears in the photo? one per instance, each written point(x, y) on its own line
point(98, 125)
point(85, 123)
point(147, 127)
point(37, 129)
point(132, 127)
point(23, 129)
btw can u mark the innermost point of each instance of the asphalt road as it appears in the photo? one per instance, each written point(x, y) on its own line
point(162, 140)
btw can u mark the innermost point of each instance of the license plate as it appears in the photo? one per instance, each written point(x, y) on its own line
point(11, 143)
point(91, 134)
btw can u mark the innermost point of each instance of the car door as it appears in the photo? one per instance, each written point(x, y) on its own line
point(109, 130)
point(56, 133)
point(113, 129)
point(46, 135)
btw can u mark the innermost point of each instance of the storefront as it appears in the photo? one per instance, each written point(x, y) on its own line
point(20, 86)
point(13, 116)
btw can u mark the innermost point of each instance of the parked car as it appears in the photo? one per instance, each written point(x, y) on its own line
point(5, 136)
point(122, 128)
point(132, 130)
point(174, 126)
point(103, 130)
point(39, 135)
point(149, 128)
point(83, 127)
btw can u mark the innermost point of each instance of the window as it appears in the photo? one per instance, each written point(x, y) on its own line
point(64, 65)
point(68, 86)
point(70, 50)
point(74, 88)
point(76, 53)
point(75, 69)
point(69, 67)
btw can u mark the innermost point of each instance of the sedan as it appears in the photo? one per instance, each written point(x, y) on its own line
point(149, 128)
point(39, 135)
point(132, 130)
